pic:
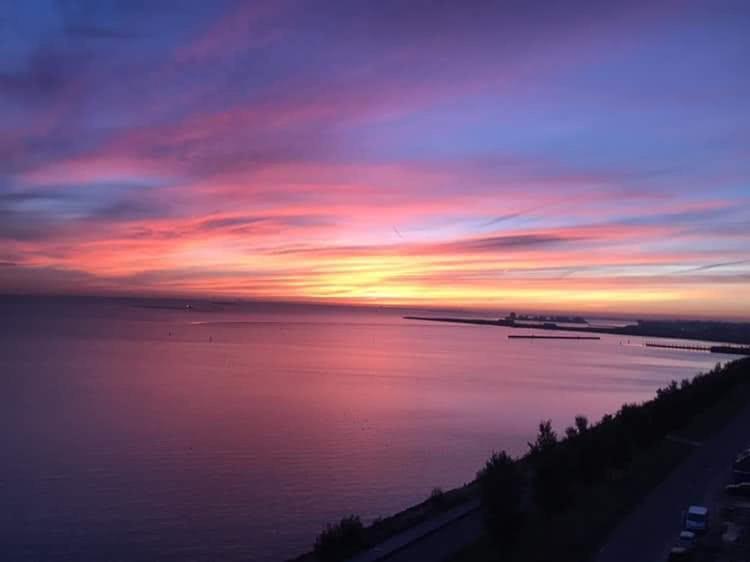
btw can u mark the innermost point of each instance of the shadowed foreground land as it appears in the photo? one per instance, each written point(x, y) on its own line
point(665, 454)
point(574, 490)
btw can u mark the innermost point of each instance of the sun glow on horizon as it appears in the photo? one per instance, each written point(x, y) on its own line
point(497, 175)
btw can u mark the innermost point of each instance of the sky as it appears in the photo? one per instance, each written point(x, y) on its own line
point(531, 155)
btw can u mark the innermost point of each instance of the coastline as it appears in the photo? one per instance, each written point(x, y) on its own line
point(670, 453)
point(730, 343)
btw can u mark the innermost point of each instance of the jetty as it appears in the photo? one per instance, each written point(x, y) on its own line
point(735, 335)
point(534, 337)
point(727, 349)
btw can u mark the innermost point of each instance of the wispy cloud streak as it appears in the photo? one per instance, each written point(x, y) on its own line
point(496, 154)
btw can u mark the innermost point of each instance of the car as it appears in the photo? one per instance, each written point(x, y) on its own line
point(686, 539)
point(696, 519)
point(742, 489)
point(683, 548)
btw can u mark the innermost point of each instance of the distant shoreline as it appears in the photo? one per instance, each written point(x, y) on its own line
point(646, 467)
point(532, 337)
point(735, 336)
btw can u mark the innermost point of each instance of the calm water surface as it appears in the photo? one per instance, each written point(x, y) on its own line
point(136, 433)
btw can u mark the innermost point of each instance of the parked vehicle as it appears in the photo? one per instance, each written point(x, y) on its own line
point(742, 489)
point(683, 549)
point(696, 519)
point(686, 539)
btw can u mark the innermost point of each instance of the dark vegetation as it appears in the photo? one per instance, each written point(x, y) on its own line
point(326, 549)
point(727, 332)
point(730, 332)
point(578, 486)
point(571, 489)
point(340, 541)
point(501, 487)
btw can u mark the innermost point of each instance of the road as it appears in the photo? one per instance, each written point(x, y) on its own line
point(648, 532)
point(432, 540)
point(645, 535)
point(443, 544)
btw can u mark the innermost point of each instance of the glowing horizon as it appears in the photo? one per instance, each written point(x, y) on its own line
point(579, 157)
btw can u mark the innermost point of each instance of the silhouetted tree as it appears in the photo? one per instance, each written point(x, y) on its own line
point(500, 485)
point(339, 542)
point(545, 439)
point(437, 499)
point(553, 476)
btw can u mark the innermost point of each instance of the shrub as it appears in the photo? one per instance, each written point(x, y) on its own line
point(500, 488)
point(437, 499)
point(552, 480)
point(546, 438)
point(339, 542)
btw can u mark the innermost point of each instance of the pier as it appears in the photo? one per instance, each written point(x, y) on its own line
point(679, 346)
point(533, 337)
point(728, 349)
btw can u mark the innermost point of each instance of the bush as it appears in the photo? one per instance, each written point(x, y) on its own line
point(341, 541)
point(437, 499)
point(500, 488)
point(591, 453)
point(546, 439)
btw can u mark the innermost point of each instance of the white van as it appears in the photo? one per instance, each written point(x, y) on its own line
point(696, 519)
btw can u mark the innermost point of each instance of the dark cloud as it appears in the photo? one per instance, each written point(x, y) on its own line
point(464, 19)
point(513, 242)
point(489, 244)
point(131, 210)
point(734, 229)
point(710, 266)
point(40, 279)
point(55, 211)
point(99, 32)
point(250, 220)
point(26, 226)
point(500, 219)
point(688, 217)
point(48, 73)
point(10, 197)
point(228, 222)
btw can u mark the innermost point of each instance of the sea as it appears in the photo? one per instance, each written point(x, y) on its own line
point(169, 430)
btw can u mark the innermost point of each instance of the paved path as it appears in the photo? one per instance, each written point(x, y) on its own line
point(443, 544)
point(432, 540)
point(648, 532)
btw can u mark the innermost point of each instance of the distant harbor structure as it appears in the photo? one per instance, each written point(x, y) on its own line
point(727, 349)
point(734, 335)
point(534, 337)
point(546, 320)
